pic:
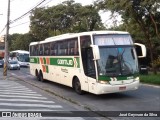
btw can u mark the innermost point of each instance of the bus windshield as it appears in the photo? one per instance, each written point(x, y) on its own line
point(117, 55)
point(23, 57)
point(117, 61)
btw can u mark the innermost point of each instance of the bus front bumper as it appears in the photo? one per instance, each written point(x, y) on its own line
point(108, 88)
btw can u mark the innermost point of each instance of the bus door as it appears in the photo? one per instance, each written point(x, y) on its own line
point(88, 63)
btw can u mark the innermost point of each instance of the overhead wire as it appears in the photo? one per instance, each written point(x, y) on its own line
point(3, 28)
point(29, 21)
point(13, 21)
point(20, 24)
point(27, 12)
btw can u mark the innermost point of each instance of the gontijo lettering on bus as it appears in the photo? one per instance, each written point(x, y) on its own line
point(67, 62)
point(34, 60)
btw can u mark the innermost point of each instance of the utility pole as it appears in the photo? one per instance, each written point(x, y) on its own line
point(6, 43)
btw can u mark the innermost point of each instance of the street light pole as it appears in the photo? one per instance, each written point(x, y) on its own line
point(6, 42)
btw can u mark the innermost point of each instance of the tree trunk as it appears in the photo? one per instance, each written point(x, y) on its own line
point(151, 56)
point(148, 41)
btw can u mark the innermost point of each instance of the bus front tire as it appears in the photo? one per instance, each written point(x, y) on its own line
point(77, 87)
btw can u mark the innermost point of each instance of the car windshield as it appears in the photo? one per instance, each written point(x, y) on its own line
point(116, 61)
point(13, 62)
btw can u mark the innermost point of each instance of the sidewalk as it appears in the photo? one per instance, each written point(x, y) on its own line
point(8, 77)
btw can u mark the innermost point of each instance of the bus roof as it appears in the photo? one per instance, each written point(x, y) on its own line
point(20, 51)
point(72, 35)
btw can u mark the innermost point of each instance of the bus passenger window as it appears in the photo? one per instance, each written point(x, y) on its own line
point(54, 47)
point(46, 49)
point(40, 49)
point(73, 46)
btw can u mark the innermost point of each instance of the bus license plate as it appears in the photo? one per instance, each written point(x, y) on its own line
point(122, 88)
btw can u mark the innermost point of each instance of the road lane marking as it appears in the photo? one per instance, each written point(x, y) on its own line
point(30, 105)
point(14, 93)
point(18, 91)
point(26, 100)
point(22, 96)
point(14, 88)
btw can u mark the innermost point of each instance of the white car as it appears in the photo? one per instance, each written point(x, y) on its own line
point(13, 64)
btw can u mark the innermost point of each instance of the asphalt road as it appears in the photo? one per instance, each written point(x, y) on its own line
point(20, 100)
point(146, 98)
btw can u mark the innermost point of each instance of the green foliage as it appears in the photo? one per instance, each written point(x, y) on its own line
point(63, 18)
point(39, 23)
point(156, 62)
point(151, 79)
point(20, 41)
point(141, 18)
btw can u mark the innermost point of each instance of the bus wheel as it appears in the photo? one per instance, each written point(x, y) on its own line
point(77, 86)
point(37, 75)
point(41, 77)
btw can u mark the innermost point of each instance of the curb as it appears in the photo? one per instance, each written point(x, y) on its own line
point(150, 85)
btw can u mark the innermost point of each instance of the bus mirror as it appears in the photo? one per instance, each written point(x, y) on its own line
point(96, 53)
point(141, 50)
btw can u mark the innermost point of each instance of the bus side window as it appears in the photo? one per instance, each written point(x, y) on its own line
point(37, 50)
point(41, 49)
point(87, 56)
point(34, 50)
point(76, 52)
point(73, 47)
point(46, 49)
point(63, 47)
point(31, 51)
point(54, 47)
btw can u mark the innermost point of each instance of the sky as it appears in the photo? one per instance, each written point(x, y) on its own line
point(19, 7)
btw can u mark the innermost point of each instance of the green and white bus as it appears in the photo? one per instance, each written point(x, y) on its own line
point(98, 62)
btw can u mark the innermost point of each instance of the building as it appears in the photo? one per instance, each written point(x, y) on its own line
point(2, 47)
point(2, 39)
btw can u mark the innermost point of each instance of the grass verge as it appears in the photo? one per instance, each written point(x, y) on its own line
point(150, 79)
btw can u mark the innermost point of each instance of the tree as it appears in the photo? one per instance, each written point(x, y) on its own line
point(63, 18)
point(144, 13)
point(20, 41)
point(39, 24)
point(11, 41)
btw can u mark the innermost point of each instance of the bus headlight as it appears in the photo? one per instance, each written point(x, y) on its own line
point(103, 82)
point(137, 78)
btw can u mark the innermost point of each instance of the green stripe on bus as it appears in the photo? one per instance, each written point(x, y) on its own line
point(38, 60)
point(44, 60)
point(47, 70)
point(67, 62)
point(78, 62)
point(34, 60)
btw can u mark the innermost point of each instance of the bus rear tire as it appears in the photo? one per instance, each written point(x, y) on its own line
point(37, 75)
point(77, 87)
point(40, 76)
